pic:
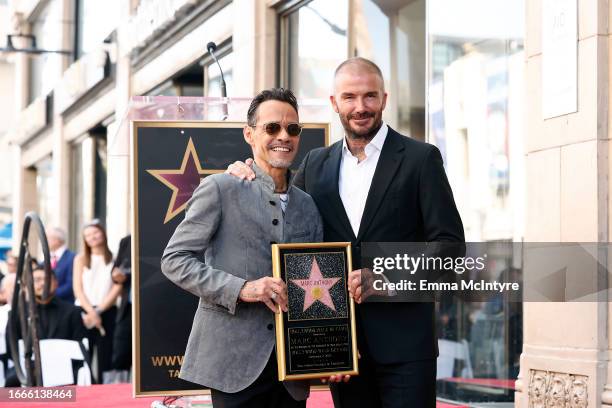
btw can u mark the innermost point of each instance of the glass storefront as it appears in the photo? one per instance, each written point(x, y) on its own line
point(475, 86)
point(315, 41)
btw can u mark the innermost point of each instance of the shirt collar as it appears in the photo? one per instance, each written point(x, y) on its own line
point(267, 180)
point(377, 141)
point(59, 252)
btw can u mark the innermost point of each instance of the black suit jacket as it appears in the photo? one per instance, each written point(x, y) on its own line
point(123, 261)
point(410, 200)
point(63, 272)
point(58, 319)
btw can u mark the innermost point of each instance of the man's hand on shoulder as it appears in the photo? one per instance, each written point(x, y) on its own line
point(118, 276)
point(242, 170)
point(271, 291)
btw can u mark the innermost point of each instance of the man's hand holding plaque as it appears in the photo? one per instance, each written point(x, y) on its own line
point(271, 291)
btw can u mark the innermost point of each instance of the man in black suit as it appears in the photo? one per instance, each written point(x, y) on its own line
point(122, 274)
point(376, 185)
point(57, 319)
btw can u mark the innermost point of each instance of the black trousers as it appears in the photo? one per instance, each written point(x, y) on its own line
point(265, 392)
point(410, 384)
point(122, 340)
point(103, 345)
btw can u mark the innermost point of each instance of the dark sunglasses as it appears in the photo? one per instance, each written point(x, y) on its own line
point(272, 128)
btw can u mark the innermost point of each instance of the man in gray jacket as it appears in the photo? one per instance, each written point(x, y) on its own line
point(232, 223)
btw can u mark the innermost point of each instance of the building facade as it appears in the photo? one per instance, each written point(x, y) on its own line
point(7, 116)
point(462, 74)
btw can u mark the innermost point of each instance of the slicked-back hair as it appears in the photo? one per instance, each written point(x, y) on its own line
point(57, 233)
point(272, 94)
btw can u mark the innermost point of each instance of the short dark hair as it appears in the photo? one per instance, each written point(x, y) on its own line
point(272, 94)
point(41, 267)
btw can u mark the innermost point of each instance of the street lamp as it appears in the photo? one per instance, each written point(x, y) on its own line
point(32, 49)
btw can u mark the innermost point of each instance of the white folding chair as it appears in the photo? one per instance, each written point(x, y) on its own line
point(56, 357)
point(450, 351)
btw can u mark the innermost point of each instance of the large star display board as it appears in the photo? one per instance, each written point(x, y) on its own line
point(169, 159)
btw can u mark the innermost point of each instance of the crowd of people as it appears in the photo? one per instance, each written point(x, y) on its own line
point(89, 298)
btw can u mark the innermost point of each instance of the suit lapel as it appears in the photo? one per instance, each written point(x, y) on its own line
point(62, 259)
point(331, 171)
point(388, 163)
point(47, 323)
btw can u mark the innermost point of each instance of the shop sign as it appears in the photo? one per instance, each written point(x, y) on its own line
point(559, 58)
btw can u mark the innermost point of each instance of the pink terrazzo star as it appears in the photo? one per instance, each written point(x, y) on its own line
point(316, 287)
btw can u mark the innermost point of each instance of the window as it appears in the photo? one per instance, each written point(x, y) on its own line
point(100, 171)
point(188, 82)
point(95, 20)
point(46, 69)
point(202, 78)
point(77, 187)
point(314, 40)
point(45, 193)
point(392, 34)
point(88, 182)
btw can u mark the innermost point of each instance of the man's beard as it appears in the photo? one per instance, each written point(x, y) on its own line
point(367, 134)
point(279, 163)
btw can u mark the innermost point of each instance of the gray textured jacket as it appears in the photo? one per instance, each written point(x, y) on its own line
point(232, 223)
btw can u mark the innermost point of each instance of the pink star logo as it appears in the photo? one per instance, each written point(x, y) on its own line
point(183, 181)
point(316, 287)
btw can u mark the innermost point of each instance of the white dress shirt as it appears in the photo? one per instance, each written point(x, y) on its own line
point(355, 177)
point(57, 255)
point(58, 252)
point(96, 280)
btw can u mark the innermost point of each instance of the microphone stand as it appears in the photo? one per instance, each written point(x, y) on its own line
point(212, 47)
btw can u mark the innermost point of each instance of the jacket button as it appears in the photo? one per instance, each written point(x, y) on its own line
point(270, 327)
point(275, 222)
point(272, 202)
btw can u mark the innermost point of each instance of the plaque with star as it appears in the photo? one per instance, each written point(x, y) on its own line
point(312, 294)
point(316, 336)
